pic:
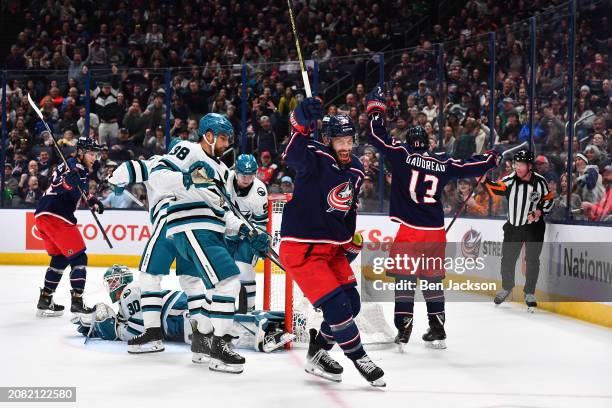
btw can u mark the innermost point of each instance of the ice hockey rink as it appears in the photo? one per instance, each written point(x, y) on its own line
point(496, 357)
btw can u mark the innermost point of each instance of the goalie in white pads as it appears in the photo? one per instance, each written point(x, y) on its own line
point(158, 255)
point(198, 221)
point(258, 330)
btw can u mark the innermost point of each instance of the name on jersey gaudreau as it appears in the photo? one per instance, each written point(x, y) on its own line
point(426, 163)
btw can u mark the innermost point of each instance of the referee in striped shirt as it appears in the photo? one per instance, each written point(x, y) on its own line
point(528, 200)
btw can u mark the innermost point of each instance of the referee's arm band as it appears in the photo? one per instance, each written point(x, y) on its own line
point(546, 203)
point(495, 187)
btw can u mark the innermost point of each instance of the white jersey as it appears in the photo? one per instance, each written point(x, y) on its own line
point(138, 171)
point(196, 207)
point(130, 314)
point(254, 204)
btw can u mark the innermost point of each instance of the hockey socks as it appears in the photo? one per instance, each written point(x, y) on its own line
point(78, 274)
point(338, 314)
point(404, 303)
point(151, 299)
point(325, 337)
point(54, 273)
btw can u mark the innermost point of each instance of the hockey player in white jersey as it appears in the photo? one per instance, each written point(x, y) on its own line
point(198, 221)
point(260, 330)
point(158, 255)
point(250, 195)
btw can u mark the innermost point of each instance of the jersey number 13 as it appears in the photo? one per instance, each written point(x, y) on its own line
point(431, 184)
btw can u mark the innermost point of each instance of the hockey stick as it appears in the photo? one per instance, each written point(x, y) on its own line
point(462, 207)
point(59, 151)
point(299, 52)
point(133, 198)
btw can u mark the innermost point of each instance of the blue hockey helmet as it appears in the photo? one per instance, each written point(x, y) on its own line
point(340, 125)
point(86, 144)
point(417, 138)
point(246, 164)
point(217, 124)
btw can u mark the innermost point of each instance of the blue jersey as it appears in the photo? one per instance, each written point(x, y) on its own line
point(324, 203)
point(60, 199)
point(418, 178)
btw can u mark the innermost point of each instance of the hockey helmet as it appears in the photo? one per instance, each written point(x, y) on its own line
point(417, 138)
point(86, 144)
point(217, 124)
point(340, 125)
point(246, 164)
point(116, 278)
point(173, 143)
point(524, 156)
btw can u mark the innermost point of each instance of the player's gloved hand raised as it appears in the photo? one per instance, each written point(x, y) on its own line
point(305, 113)
point(201, 175)
point(95, 204)
point(375, 102)
point(496, 151)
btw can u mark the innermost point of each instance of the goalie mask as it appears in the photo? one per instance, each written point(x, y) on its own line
point(116, 278)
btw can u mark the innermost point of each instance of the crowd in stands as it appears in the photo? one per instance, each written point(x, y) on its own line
point(127, 46)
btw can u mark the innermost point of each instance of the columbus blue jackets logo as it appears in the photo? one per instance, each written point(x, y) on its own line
point(340, 198)
point(470, 243)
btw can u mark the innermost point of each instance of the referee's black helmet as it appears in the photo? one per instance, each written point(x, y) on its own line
point(524, 156)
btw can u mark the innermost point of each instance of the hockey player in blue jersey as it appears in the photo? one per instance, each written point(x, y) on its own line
point(56, 225)
point(250, 195)
point(318, 233)
point(261, 331)
point(198, 221)
point(418, 179)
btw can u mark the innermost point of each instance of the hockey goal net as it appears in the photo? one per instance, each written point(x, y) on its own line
point(281, 293)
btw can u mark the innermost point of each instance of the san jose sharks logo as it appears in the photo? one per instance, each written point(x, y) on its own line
point(470, 244)
point(340, 198)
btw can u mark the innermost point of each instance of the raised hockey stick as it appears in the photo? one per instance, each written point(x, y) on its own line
point(299, 52)
point(133, 198)
point(504, 155)
point(59, 151)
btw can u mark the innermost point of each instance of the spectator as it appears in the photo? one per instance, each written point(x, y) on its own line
point(266, 169)
point(107, 109)
point(368, 198)
point(286, 185)
point(601, 210)
point(589, 181)
point(94, 122)
point(11, 184)
point(265, 139)
point(32, 193)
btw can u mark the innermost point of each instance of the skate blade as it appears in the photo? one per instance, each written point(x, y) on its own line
point(436, 344)
point(401, 347)
point(531, 309)
point(200, 358)
point(378, 383)
point(313, 370)
point(154, 347)
point(220, 366)
point(49, 313)
point(285, 338)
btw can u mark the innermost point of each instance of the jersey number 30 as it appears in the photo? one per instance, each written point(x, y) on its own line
point(428, 197)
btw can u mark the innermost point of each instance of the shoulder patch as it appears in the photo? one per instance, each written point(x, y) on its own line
point(261, 191)
point(126, 293)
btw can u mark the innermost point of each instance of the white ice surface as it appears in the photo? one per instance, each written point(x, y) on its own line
point(496, 357)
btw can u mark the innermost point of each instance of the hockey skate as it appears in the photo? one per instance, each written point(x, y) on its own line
point(223, 358)
point(403, 334)
point(320, 363)
point(77, 305)
point(270, 336)
point(531, 302)
point(46, 307)
point(435, 336)
point(200, 344)
point(501, 296)
point(148, 342)
point(370, 371)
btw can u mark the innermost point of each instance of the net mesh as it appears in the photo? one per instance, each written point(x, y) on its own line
point(371, 321)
